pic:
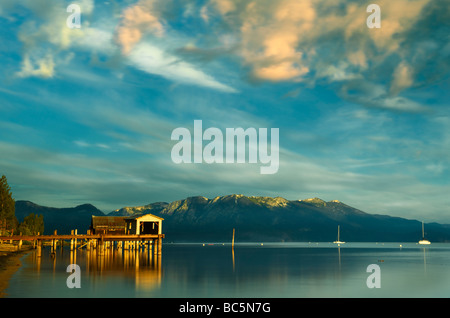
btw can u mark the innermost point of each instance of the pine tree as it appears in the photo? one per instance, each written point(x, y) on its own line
point(7, 207)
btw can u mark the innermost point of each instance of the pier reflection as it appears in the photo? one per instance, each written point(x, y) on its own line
point(139, 265)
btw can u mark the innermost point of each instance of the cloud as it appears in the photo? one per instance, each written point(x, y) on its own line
point(84, 144)
point(224, 6)
point(311, 41)
point(37, 67)
point(49, 43)
point(397, 18)
point(136, 33)
point(374, 95)
point(48, 26)
point(340, 72)
point(96, 40)
point(271, 38)
point(402, 78)
point(45, 35)
point(154, 60)
point(138, 20)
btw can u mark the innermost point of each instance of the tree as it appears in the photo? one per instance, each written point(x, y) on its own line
point(7, 206)
point(32, 224)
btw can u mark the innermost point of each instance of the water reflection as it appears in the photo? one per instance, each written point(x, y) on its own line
point(247, 270)
point(249, 266)
point(138, 265)
point(424, 260)
point(339, 254)
point(232, 255)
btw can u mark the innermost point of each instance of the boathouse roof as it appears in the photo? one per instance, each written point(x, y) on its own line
point(143, 216)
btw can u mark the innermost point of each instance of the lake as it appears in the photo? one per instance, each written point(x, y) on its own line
point(249, 270)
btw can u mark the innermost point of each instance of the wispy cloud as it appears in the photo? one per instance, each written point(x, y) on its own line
point(142, 21)
point(84, 144)
point(153, 60)
point(49, 44)
point(376, 95)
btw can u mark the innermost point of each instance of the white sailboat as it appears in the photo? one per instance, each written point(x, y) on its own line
point(423, 241)
point(338, 241)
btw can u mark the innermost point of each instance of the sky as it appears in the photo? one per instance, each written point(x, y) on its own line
point(87, 114)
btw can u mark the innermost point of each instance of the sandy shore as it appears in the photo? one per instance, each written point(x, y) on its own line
point(9, 263)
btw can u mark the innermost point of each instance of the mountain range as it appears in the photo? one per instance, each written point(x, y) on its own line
point(253, 218)
point(61, 219)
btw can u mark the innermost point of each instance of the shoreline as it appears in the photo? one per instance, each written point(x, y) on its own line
point(9, 264)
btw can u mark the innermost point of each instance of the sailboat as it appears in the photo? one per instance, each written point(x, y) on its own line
point(338, 241)
point(423, 241)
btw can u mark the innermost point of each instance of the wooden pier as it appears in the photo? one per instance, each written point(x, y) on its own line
point(96, 241)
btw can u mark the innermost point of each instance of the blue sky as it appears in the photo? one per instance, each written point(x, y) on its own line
point(86, 115)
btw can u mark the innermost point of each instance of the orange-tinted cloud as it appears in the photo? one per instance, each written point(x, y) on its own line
point(280, 39)
point(137, 21)
point(271, 37)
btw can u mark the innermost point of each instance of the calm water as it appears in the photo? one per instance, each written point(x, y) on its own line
point(287, 270)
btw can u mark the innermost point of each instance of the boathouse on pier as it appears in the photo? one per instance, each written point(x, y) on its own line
point(119, 225)
point(144, 230)
point(144, 224)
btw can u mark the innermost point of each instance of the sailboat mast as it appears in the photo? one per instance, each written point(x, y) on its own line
point(338, 236)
